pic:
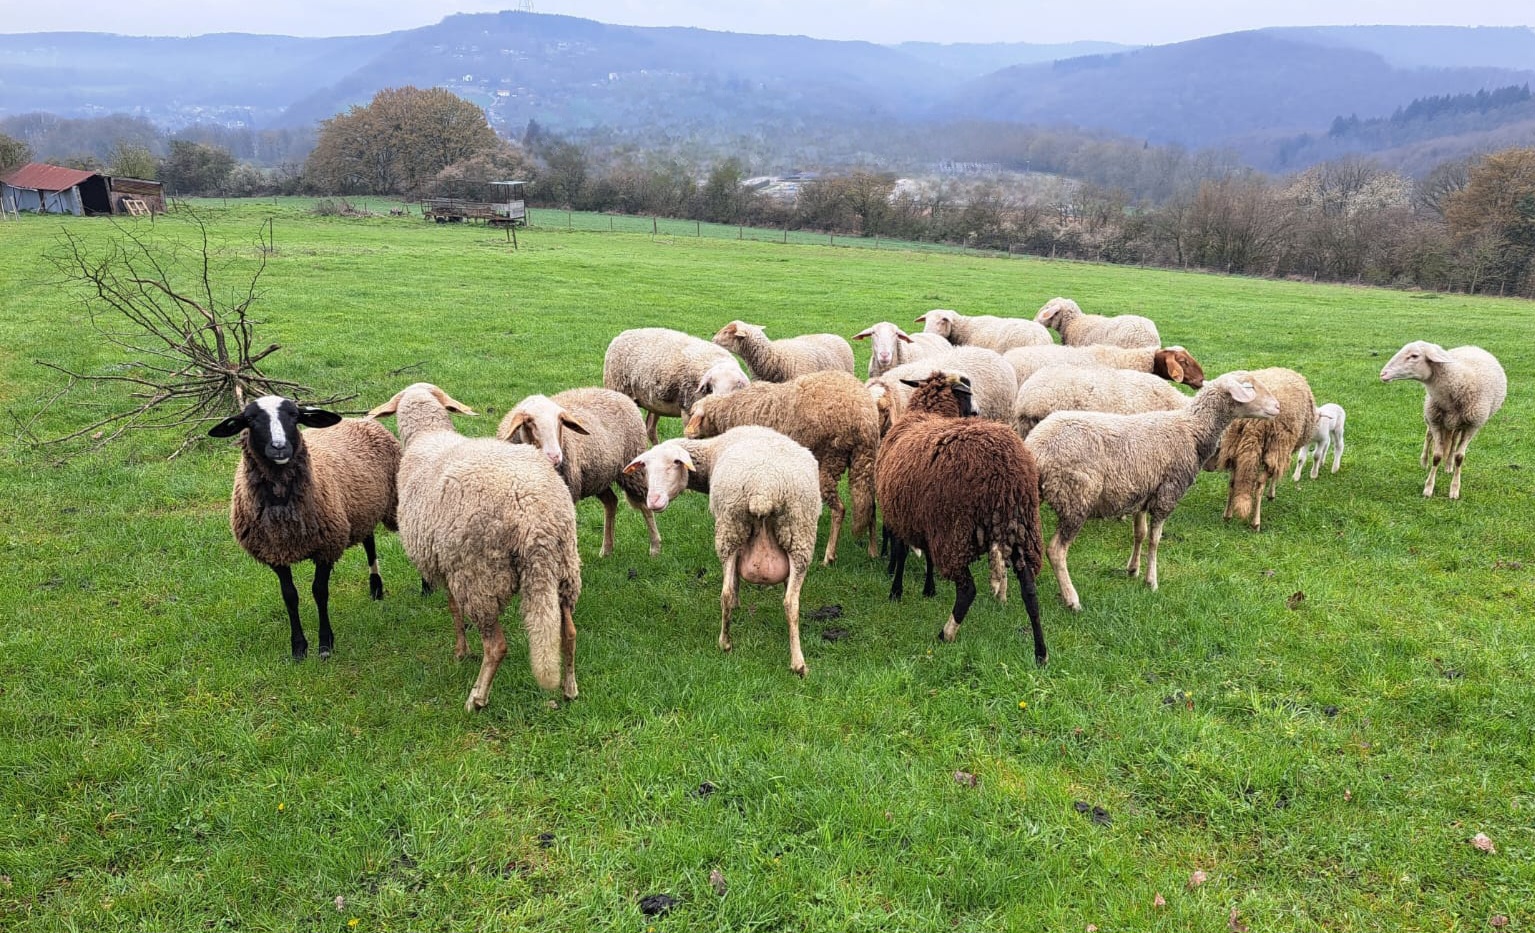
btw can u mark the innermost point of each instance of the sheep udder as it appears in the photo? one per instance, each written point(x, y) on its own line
point(762, 561)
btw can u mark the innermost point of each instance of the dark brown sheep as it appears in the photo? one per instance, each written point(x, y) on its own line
point(955, 487)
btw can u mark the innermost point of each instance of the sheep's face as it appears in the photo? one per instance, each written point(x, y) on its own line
point(540, 422)
point(938, 321)
point(736, 333)
point(1050, 315)
point(273, 425)
point(666, 467)
point(884, 339)
point(722, 378)
point(1251, 398)
point(1175, 364)
point(1412, 362)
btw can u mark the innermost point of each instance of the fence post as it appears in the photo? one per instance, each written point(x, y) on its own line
point(698, 228)
point(610, 223)
point(569, 219)
point(741, 232)
point(831, 239)
point(653, 228)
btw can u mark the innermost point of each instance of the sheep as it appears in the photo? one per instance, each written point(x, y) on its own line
point(1256, 451)
point(890, 346)
point(791, 357)
point(1171, 363)
point(488, 519)
point(606, 431)
point(764, 495)
point(1078, 329)
point(1465, 387)
point(958, 488)
point(1090, 388)
point(302, 496)
point(1098, 465)
point(1327, 433)
point(830, 413)
point(665, 371)
point(984, 330)
point(991, 380)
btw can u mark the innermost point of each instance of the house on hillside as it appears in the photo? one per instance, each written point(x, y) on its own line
point(54, 189)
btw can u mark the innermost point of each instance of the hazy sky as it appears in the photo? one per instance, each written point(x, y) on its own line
point(1130, 21)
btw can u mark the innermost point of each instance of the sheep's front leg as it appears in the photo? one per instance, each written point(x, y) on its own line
point(1258, 503)
point(568, 652)
point(493, 646)
point(609, 514)
point(791, 616)
point(1300, 462)
point(1462, 440)
point(1151, 557)
point(652, 420)
point(1441, 450)
point(898, 551)
point(728, 598)
point(1231, 498)
point(1133, 568)
point(296, 639)
point(964, 595)
point(375, 581)
point(650, 526)
point(321, 592)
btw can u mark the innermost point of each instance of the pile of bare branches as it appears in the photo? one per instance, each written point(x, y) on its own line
point(190, 339)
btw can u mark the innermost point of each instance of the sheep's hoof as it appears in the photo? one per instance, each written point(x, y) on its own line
point(725, 644)
point(426, 588)
point(802, 670)
point(949, 632)
point(325, 653)
point(300, 654)
point(475, 703)
point(375, 586)
point(571, 694)
point(930, 591)
point(1041, 660)
point(655, 550)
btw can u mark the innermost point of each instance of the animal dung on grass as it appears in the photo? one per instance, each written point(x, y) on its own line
point(656, 905)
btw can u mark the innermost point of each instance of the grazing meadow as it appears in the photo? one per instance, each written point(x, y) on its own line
point(1304, 729)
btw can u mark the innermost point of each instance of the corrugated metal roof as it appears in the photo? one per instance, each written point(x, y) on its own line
point(44, 177)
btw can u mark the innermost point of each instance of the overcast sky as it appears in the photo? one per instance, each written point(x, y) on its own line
point(1129, 21)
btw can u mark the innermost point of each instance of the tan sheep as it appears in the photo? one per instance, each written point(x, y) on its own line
point(791, 357)
point(1078, 329)
point(1091, 388)
point(665, 371)
point(984, 330)
point(1171, 363)
point(1257, 451)
point(1464, 387)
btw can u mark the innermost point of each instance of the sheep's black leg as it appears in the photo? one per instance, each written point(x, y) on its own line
point(884, 544)
point(375, 582)
point(898, 551)
point(1031, 603)
point(321, 592)
point(928, 587)
point(964, 595)
point(290, 602)
point(426, 587)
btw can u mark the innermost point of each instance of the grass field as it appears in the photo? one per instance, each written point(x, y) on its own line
point(164, 766)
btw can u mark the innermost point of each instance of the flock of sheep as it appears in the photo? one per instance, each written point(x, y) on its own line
point(958, 434)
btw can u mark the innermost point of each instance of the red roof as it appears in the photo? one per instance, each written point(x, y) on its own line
point(44, 177)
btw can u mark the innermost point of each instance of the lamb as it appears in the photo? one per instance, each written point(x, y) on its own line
point(764, 496)
point(890, 346)
point(830, 413)
point(984, 330)
point(1098, 465)
point(991, 380)
point(488, 519)
point(1078, 329)
point(309, 495)
point(1256, 451)
point(958, 488)
point(1328, 432)
point(605, 431)
point(1465, 387)
point(791, 357)
point(665, 371)
point(1091, 388)
point(1171, 363)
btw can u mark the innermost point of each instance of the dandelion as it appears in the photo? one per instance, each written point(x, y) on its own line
point(1023, 704)
point(281, 807)
point(352, 923)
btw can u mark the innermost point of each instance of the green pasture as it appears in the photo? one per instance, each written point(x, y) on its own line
point(1325, 761)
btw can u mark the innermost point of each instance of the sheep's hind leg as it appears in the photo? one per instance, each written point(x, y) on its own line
point(1031, 603)
point(1151, 556)
point(998, 574)
point(375, 581)
point(929, 587)
point(898, 551)
point(568, 652)
point(493, 645)
point(321, 592)
point(1133, 568)
point(1300, 462)
point(652, 420)
point(460, 644)
point(1458, 458)
point(964, 595)
point(791, 616)
point(728, 598)
point(296, 639)
point(609, 514)
point(1056, 550)
point(833, 501)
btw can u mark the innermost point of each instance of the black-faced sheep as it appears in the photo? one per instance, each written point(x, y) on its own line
point(606, 431)
point(1465, 387)
point(764, 496)
point(832, 415)
point(1096, 465)
point(957, 487)
point(1078, 329)
point(309, 496)
point(788, 358)
point(1256, 451)
point(488, 520)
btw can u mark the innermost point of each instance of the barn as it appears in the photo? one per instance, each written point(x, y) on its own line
point(54, 189)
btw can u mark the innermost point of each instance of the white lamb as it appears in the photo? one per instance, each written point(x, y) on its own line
point(1328, 433)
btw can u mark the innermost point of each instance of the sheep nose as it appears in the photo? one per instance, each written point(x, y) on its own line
point(554, 457)
point(656, 502)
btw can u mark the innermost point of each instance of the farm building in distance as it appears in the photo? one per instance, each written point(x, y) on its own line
point(54, 189)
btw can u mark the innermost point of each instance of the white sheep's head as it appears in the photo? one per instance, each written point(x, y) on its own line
point(539, 421)
point(273, 425)
point(939, 321)
point(736, 333)
point(1051, 315)
point(1252, 398)
point(883, 339)
point(666, 467)
point(1414, 362)
point(421, 408)
point(722, 378)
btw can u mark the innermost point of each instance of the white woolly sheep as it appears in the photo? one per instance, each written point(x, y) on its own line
point(1091, 388)
point(764, 494)
point(488, 520)
point(889, 346)
point(1171, 363)
point(1327, 433)
point(1096, 465)
point(1465, 387)
point(309, 496)
point(606, 432)
point(789, 358)
point(665, 371)
point(991, 379)
point(1079, 330)
point(984, 330)
point(1256, 451)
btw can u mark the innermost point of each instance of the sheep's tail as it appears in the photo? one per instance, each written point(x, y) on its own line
point(1244, 482)
point(860, 484)
point(541, 619)
point(761, 503)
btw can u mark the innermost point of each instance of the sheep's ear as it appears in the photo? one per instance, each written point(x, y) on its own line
point(910, 382)
point(635, 465)
point(317, 418)
point(1242, 392)
point(451, 404)
point(1436, 354)
point(864, 334)
point(573, 424)
point(229, 427)
point(388, 408)
point(920, 319)
point(729, 330)
point(902, 335)
point(1172, 364)
point(686, 459)
point(512, 425)
point(694, 425)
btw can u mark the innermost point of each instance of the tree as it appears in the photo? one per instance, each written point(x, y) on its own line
point(564, 178)
point(132, 161)
point(723, 199)
point(1494, 215)
point(193, 168)
point(13, 152)
point(399, 142)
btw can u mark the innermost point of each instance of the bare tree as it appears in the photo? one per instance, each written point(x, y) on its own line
point(190, 338)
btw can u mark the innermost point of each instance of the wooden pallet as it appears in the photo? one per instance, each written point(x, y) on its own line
point(135, 206)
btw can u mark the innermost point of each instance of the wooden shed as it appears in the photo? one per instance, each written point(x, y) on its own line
point(54, 189)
